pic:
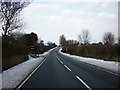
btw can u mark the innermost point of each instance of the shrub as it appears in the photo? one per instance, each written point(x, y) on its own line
point(101, 51)
point(12, 52)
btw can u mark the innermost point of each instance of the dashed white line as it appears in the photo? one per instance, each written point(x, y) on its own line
point(61, 62)
point(83, 82)
point(57, 58)
point(68, 68)
point(76, 76)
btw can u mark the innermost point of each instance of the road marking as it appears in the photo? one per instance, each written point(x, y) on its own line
point(83, 82)
point(68, 68)
point(57, 58)
point(29, 75)
point(76, 76)
point(61, 62)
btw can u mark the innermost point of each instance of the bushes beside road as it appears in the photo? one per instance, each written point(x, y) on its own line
point(15, 48)
point(107, 51)
point(12, 52)
point(100, 51)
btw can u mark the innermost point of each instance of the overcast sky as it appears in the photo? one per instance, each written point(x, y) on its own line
point(52, 18)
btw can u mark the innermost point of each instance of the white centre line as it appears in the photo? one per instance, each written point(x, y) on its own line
point(83, 82)
point(76, 76)
point(61, 62)
point(57, 58)
point(68, 68)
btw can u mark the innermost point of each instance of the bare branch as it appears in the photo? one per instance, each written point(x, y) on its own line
point(10, 14)
point(108, 38)
point(84, 37)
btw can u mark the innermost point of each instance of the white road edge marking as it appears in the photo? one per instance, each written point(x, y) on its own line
point(68, 68)
point(29, 76)
point(83, 82)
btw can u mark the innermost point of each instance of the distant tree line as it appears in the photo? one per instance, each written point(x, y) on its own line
point(107, 50)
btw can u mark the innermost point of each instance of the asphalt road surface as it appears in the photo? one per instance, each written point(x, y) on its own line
point(59, 71)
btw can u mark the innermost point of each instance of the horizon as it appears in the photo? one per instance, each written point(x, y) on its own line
point(50, 19)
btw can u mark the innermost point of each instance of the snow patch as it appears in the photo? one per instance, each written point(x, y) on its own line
point(46, 53)
point(107, 65)
point(12, 77)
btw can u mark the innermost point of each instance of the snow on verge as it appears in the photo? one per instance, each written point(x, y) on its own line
point(13, 76)
point(108, 65)
point(46, 53)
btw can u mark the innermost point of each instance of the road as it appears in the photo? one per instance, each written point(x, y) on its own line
point(59, 71)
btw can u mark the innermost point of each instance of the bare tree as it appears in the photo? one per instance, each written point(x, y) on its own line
point(84, 37)
point(10, 15)
point(72, 42)
point(62, 40)
point(108, 38)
